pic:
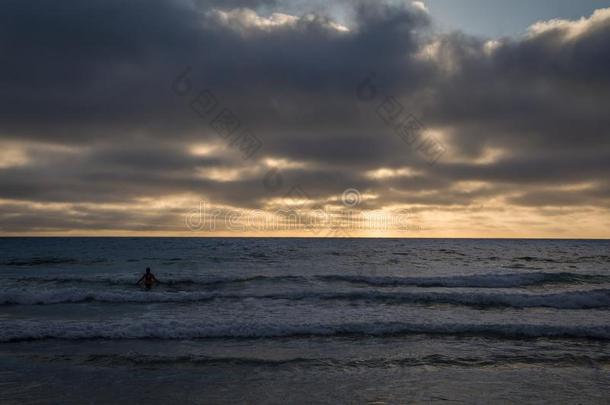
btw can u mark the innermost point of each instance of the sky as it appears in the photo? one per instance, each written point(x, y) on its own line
point(386, 118)
point(496, 18)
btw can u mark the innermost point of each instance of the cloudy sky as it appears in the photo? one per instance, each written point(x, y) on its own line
point(349, 118)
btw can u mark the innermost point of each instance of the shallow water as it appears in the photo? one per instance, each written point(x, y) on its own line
point(304, 321)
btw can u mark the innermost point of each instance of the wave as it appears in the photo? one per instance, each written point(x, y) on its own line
point(41, 261)
point(14, 331)
point(175, 282)
point(77, 295)
point(573, 260)
point(475, 281)
point(466, 281)
point(588, 299)
point(111, 360)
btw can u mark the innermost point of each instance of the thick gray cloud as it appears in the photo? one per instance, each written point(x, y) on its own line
point(89, 109)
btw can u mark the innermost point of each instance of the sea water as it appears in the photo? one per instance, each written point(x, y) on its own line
point(325, 321)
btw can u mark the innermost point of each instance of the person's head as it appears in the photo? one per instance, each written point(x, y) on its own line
point(148, 270)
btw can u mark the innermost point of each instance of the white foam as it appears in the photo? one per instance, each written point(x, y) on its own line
point(19, 296)
point(475, 280)
point(584, 299)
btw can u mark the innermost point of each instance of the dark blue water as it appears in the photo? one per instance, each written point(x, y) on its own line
point(304, 321)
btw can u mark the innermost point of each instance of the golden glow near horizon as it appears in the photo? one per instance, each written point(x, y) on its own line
point(11, 156)
point(187, 217)
point(369, 214)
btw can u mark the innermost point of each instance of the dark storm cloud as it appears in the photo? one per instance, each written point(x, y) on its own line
point(77, 69)
point(542, 93)
point(97, 76)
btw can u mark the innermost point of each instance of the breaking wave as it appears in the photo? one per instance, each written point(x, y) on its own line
point(474, 281)
point(561, 300)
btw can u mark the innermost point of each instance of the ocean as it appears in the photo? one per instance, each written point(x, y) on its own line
point(317, 321)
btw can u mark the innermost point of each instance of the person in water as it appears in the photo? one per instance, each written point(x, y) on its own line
point(149, 279)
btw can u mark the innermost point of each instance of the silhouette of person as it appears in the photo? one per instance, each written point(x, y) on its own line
point(149, 279)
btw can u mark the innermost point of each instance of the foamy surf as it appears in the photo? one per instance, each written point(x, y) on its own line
point(488, 280)
point(474, 281)
point(584, 299)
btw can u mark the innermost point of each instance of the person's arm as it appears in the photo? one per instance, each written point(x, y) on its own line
point(140, 280)
point(156, 280)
